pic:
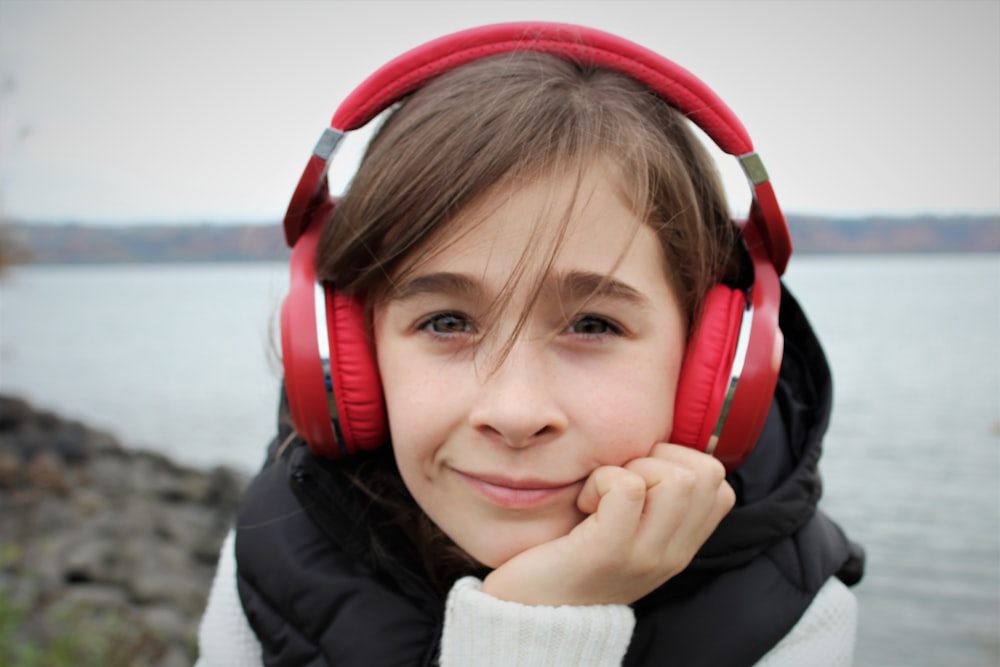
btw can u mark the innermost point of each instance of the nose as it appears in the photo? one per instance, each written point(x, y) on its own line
point(517, 403)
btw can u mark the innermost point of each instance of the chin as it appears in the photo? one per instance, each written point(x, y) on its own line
point(504, 543)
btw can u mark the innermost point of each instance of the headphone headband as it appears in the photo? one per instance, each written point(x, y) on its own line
point(681, 89)
point(672, 82)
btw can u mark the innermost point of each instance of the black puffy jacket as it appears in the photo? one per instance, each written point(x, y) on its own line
point(318, 591)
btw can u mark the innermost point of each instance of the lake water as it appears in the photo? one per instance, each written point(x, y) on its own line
point(182, 359)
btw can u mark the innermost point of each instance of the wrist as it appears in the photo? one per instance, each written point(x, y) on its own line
point(513, 585)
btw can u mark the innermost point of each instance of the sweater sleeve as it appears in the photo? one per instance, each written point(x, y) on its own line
point(225, 638)
point(484, 631)
point(824, 635)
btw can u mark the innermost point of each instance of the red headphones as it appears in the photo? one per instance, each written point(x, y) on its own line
point(729, 375)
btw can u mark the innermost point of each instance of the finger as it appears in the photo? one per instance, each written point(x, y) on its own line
point(684, 469)
point(670, 490)
point(607, 479)
point(685, 499)
point(685, 455)
point(701, 521)
point(614, 499)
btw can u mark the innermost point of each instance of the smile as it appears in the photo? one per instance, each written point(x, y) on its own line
point(517, 494)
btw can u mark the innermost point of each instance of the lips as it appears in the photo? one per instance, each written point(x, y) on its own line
point(518, 493)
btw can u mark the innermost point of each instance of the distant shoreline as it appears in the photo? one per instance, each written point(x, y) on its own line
point(75, 243)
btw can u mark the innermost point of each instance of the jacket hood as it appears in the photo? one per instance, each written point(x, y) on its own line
point(778, 486)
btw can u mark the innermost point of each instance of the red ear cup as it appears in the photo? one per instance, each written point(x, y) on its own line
point(354, 375)
point(731, 365)
point(758, 359)
point(331, 380)
point(705, 373)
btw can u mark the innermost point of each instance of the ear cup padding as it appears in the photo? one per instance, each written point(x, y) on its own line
point(707, 366)
point(331, 379)
point(355, 377)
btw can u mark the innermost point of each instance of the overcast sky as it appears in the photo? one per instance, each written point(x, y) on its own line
point(148, 111)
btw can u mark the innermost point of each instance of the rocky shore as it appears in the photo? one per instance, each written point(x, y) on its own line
point(106, 553)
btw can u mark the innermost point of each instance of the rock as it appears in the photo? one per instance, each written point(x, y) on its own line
point(45, 472)
point(10, 468)
point(94, 596)
point(125, 539)
point(14, 412)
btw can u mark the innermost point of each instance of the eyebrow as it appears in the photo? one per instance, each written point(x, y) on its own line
point(442, 282)
point(569, 286)
point(583, 285)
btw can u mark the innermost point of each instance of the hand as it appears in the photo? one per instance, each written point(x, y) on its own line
point(646, 521)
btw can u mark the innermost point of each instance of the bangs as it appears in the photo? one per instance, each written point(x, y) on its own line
point(558, 200)
point(498, 124)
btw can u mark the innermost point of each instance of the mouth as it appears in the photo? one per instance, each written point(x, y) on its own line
point(519, 493)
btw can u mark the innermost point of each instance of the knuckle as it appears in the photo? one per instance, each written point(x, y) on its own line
point(709, 472)
point(709, 467)
point(727, 496)
point(661, 450)
point(714, 468)
point(632, 486)
point(685, 480)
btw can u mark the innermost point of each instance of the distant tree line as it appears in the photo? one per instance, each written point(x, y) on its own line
point(82, 244)
point(78, 243)
point(895, 235)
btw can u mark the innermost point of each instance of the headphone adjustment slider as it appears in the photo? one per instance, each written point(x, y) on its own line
point(753, 167)
point(327, 144)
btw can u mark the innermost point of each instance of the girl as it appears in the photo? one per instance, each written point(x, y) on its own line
point(489, 452)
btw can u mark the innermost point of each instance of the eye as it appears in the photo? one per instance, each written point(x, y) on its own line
point(446, 325)
point(593, 326)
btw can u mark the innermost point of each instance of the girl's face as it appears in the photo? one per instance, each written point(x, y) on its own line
point(495, 448)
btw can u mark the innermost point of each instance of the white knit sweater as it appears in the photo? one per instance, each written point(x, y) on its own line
point(484, 631)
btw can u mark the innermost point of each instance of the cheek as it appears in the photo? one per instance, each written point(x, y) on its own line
point(630, 411)
point(421, 402)
point(415, 440)
point(412, 410)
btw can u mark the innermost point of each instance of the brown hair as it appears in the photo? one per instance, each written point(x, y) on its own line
point(514, 116)
point(487, 124)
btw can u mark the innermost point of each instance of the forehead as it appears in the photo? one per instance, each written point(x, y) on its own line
point(527, 226)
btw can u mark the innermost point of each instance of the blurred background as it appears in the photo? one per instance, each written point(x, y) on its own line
point(148, 150)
